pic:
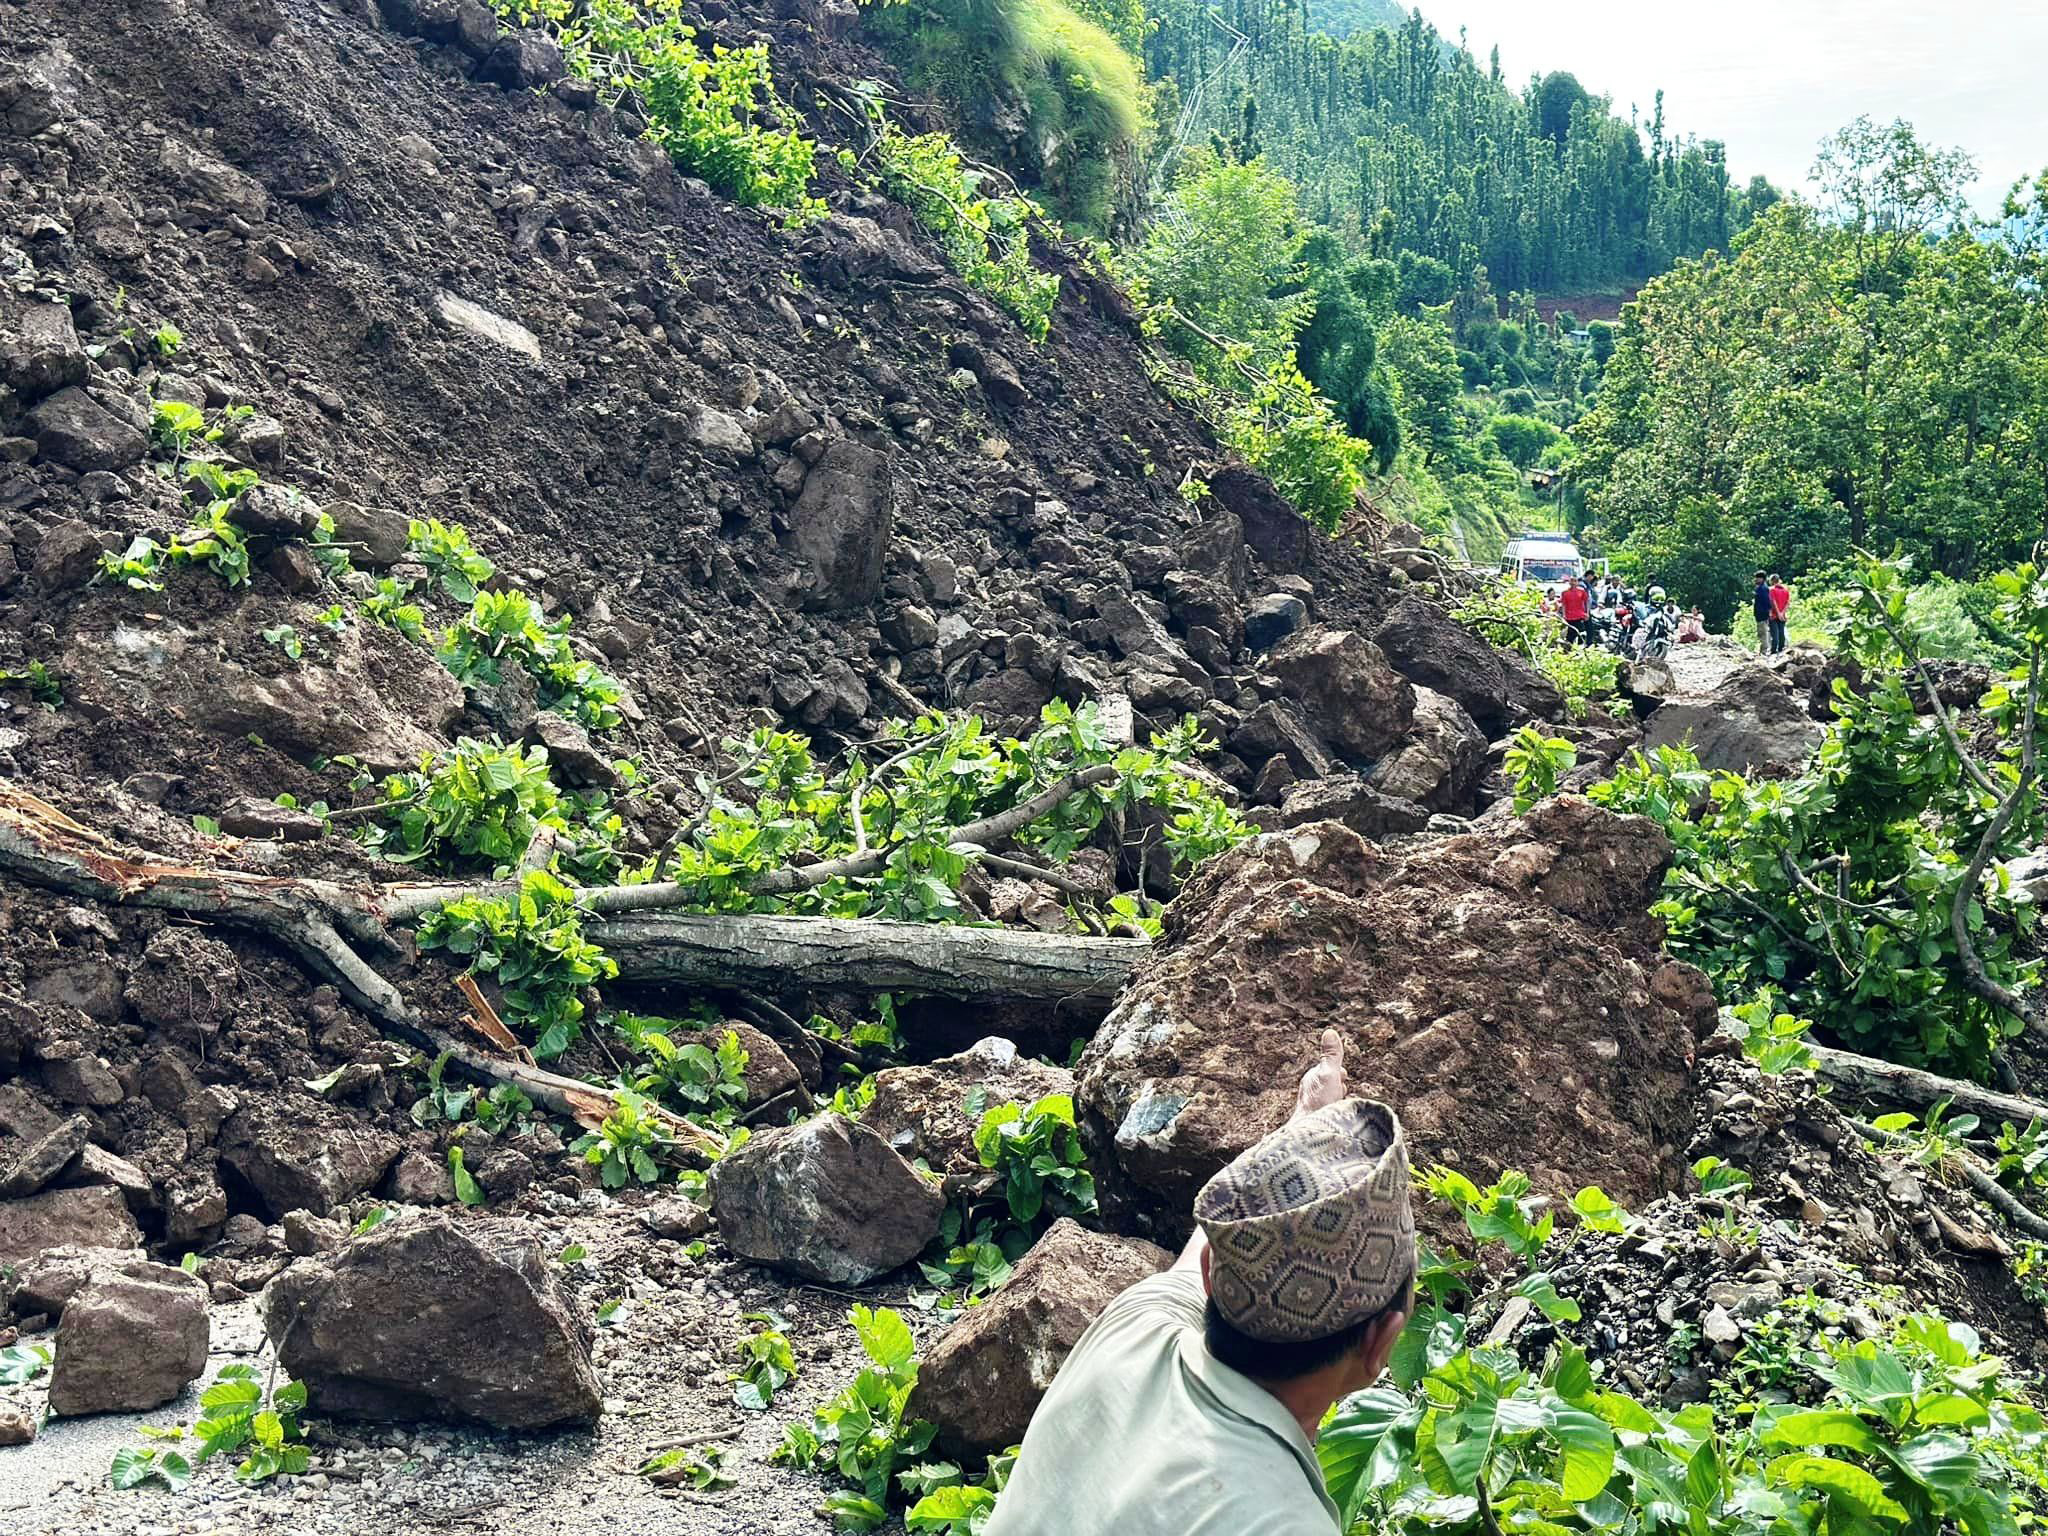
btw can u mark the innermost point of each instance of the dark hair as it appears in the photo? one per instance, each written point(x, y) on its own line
point(1263, 1361)
point(1776, 578)
point(1759, 575)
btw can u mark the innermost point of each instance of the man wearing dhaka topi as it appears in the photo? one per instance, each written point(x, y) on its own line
point(1190, 1407)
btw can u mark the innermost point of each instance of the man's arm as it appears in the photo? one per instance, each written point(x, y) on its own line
point(1322, 1084)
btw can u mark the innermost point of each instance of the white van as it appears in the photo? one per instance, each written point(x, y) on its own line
point(1547, 560)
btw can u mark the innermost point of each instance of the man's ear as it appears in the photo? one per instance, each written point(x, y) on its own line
point(1205, 1270)
point(1380, 1341)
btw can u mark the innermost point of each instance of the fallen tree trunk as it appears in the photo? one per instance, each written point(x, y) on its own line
point(775, 953)
point(1886, 1082)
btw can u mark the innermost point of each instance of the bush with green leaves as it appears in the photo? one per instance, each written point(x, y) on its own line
point(237, 1413)
point(1535, 764)
point(1039, 1173)
point(941, 773)
point(708, 107)
point(861, 1432)
point(509, 626)
point(39, 680)
point(444, 549)
point(1915, 1435)
point(627, 1147)
point(478, 808)
point(987, 239)
point(767, 1364)
point(703, 1082)
point(1288, 431)
point(532, 945)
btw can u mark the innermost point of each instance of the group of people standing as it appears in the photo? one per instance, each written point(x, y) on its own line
point(1610, 616)
point(1771, 601)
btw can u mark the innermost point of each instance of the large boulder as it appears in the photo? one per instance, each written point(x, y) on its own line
point(1360, 706)
point(827, 1200)
point(840, 524)
point(991, 1370)
point(129, 1340)
point(1498, 689)
point(1751, 723)
point(373, 697)
point(94, 1216)
point(1442, 760)
point(931, 1111)
point(425, 1319)
point(303, 1154)
point(1500, 988)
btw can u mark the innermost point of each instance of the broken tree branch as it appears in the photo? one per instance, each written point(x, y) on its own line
point(1975, 976)
point(1993, 1193)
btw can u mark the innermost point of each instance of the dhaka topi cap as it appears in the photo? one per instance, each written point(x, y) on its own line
point(1310, 1230)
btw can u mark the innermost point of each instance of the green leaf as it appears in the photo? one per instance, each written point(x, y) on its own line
point(1588, 1451)
point(1833, 1427)
point(1350, 1444)
point(1939, 1462)
point(1538, 1288)
point(1838, 1479)
point(885, 1337)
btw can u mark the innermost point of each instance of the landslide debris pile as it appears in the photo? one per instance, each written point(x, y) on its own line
point(291, 293)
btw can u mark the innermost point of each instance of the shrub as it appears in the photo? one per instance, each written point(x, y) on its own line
point(706, 108)
point(986, 239)
point(1292, 434)
point(509, 625)
point(533, 945)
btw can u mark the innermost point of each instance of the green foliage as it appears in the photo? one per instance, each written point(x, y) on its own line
point(216, 543)
point(861, 1432)
point(478, 808)
point(945, 772)
point(1053, 64)
point(1406, 139)
point(137, 567)
point(509, 625)
point(1037, 1153)
point(165, 340)
point(700, 1469)
point(1291, 434)
point(1581, 673)
point(237, 1413)
point(766, 1363)
point(139, 1466)
point(23, 1363)
point(625, 1147)
point(1916, 1435)
point(707, 107)
point(1867, 373)
point(1535, 763)
point(1773, 1039)
point(1701, 556)
point(467, 1190)
point(533, 945)
point(39, 679)
point(1523, 440)
point(388, 606)
point(1504, 1212)
point(1509, 615)
point(986, 238)
point(444, 549)
point(706, 1083)
point(441, 1102)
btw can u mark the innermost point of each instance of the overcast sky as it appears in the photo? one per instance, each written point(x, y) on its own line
point(1771, 78)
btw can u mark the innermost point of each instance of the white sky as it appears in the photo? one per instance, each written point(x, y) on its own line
point(1771, 78)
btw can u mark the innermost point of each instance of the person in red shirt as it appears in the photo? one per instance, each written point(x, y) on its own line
point(1781, 604)
point(1576, 603)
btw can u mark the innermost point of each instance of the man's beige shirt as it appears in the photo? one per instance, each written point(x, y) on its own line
point(1145, 1433)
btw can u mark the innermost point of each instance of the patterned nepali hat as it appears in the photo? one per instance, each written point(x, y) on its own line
point(1310, 1230)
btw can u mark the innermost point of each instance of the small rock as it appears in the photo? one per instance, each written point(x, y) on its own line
point(16, 1426)
point(1719, 1327)
point(42, 1160)
point(41, 354)
point(248, 816)
point(676, 1219)
point(73, 429)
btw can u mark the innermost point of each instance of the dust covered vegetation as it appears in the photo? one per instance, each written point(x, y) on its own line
point(696, 705)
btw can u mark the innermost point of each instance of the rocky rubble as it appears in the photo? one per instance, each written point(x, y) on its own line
point(1501, 988)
